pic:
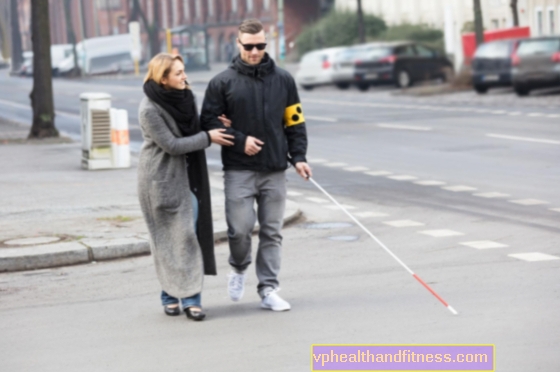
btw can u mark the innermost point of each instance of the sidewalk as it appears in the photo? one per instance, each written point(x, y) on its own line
point(59, 214)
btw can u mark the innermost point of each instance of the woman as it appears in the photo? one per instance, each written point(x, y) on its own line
point(173, 185)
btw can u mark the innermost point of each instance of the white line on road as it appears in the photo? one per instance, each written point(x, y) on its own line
point(440, 233)
point(535, 114)
point(526, 139)
point(404, 127)
point(484, 244)
point(459, 188)
point(429, 183)
point(318, 200)
point(14, 104)
point(336, 207)
point(356, 169)
point(529, 202)
point(321, 118)
point(491, 195)
point(533, 256)
point(555, 209)
point(403, 223)
point(378, 173)
point(403, 177)
point(294, 193)
point(336, 165)
point(316, 161)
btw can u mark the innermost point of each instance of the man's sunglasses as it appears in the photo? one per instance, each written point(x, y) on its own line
point(250, 47)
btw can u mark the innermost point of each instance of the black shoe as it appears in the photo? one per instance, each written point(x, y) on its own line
point(195, 313)
point(171, 311)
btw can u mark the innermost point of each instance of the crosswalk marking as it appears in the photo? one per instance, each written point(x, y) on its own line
point(459, 188)
point(378, 173)
point(484, 244)
point(533, 256)
point(529, 202)
point(430, 183)
point(440, 233)
point(403, 223)
point(403, 177)
point(490, 195)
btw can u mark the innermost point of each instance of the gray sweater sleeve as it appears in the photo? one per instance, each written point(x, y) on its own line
point(155, 128)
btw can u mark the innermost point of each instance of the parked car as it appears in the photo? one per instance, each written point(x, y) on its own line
point(536, 64)
point(59, 52)
point(400, 63)
point(344, 65)
point(317, 67)
point(492, 64)
point(26, 68)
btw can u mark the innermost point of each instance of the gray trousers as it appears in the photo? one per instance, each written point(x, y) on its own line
point(268, 190)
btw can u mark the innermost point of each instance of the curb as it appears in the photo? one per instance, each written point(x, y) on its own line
point(93, 250)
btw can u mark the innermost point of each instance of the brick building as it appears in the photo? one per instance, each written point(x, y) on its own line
point(91, 18)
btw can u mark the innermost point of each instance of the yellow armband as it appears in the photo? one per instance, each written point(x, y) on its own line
point(294, 115)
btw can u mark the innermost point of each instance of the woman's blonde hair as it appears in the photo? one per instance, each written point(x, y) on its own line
point(160, 66)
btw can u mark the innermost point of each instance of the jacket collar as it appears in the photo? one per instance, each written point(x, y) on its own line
point(264, 68)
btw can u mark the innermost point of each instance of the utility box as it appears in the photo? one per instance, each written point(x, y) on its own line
point(96, 131)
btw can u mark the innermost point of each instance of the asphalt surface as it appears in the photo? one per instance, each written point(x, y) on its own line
point(484, 233)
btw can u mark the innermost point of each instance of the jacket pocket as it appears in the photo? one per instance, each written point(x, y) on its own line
point(164, 196)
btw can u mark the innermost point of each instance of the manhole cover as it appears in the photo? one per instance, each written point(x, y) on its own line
point(33, 241)
point(344, 238)
point(328, 225)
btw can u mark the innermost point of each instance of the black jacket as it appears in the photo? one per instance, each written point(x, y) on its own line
point(262, 101)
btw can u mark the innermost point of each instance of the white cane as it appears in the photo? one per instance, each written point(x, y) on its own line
point(453, 311)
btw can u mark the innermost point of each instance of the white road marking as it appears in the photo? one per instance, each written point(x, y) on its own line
point(534, 256)
point(403, 177)
point(535, 114)
point(335, 207)
point(525, 139)
point(440, 233)
point(370, 214)
point(294, 193)
point(321, 118)
point(378, 173)
point(430, 183)
point(515, 113)
point(555, 209)
point(459, 188)
point(68, 114)
point(404, 127)
point(491, 195)
point(484, 244)
point(498, 112)
point(529, 202)
point(403, 223)
point(336, 165)
point(553, 116)
point(316, 161)
point(318, 200)
point(15, 104)
point(356, 169)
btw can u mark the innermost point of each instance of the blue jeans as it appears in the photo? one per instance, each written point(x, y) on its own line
point(195, 300)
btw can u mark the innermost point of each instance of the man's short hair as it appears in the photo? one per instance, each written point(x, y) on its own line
point(251, 26)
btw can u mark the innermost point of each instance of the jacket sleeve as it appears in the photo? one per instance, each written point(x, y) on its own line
point(214, 105)
point(155, 128)
point(294, 124)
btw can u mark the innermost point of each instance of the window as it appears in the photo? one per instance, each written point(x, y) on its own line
point(551, 22)
point(174, 13)
point(424, 52)
point(532, 47)
point(210, 8)
point(266, 4)
point(249, 5)
point(234, 6)
point(539, 22)
point(186, 10)
point(164, 13)
point(493, 50)
point(406, 51)
point(197, 9)
point(495, 24)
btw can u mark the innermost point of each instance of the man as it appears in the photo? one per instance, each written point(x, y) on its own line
point(262, 102)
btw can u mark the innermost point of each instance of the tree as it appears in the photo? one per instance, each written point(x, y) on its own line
point(478, 26)
point(17, 50)
point(42, 94)
point(71, 35)
point(515, 13)
point(361, 27)
point(153, 29)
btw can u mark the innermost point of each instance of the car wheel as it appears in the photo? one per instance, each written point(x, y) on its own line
point(403, 79)
point(343, 85)
point(521, 90)
point(363, 86)
point(481, 89)
point(307, 87)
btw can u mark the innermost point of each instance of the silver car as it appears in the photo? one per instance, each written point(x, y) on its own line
point(536, 64)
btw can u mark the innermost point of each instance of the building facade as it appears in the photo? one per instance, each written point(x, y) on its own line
point(92, 18)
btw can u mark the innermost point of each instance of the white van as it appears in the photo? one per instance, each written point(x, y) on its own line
point(317, 68)
point(102, 55)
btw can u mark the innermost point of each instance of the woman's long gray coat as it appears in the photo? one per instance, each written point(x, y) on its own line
point(164, 192)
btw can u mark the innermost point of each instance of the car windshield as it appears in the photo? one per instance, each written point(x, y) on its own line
point(531, 47)
point(493, 50)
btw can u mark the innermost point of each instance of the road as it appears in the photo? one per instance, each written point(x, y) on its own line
point(462, 188)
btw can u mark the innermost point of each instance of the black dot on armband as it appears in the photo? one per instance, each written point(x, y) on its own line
point(298, 109)
point(295, 117)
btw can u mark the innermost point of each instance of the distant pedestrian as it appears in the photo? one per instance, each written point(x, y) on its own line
point(229, 51)
point(269, 128)
point(173, 185)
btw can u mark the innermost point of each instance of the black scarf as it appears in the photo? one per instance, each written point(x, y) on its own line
point(178, 103)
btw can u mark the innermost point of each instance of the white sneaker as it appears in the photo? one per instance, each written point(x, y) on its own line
point(236, 285)
point(274, 302)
